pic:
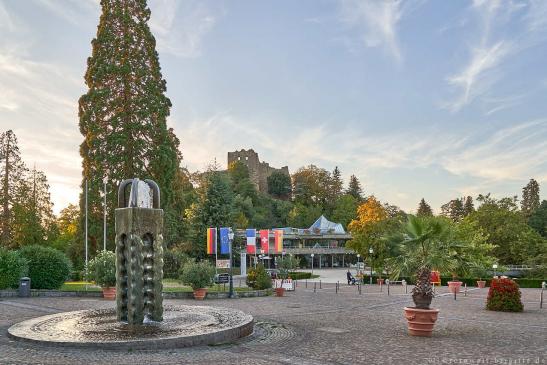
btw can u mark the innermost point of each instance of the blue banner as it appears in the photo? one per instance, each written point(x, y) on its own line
point(224, 240)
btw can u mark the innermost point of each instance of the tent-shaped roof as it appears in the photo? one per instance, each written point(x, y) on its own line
point(325, 226)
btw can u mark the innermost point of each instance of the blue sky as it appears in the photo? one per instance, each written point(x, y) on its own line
point(433, 99)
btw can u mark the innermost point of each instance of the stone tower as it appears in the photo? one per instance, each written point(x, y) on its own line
point(258, 171)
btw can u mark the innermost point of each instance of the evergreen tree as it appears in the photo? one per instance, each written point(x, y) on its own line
point(279, 185)
point(337, 184)
point(354, 188)
point(538, 219)
point(468, 206)
point(424, 209)
point(530, 198)
point(12, 171)
point(454, 210)
point(123, 118)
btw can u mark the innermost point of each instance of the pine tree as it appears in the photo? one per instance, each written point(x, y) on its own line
point(530, 198)
point(468, 206)
point(12, 171)
point(424, 209)
point(337, 183)
point(354, 188)
point(123, 117)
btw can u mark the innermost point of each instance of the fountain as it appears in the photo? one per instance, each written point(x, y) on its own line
point(140, 320)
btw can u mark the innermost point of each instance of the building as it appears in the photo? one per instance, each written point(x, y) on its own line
point(258, 171)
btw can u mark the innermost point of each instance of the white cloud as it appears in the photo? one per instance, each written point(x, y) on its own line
point(377, 21)
point(180, 27)
point(6, 21)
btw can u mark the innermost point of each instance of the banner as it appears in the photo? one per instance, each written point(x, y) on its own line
point(251, 240)
point(224, 240)
point(278, 235)
point(265, 240)
point(211, 241)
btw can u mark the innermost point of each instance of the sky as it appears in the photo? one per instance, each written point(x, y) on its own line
point(418, 99)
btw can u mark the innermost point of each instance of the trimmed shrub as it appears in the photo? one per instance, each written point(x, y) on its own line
point(504, 295)
point(12, 268)
point(173, 261)
point(197, 274)
point(48, 267)
point(102, 269)
point(258, 278)
point(298, 275)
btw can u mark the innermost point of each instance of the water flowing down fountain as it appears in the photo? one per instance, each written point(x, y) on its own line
point(139, 320)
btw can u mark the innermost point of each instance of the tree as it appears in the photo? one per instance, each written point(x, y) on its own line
point(279, 185)
point(12, 171)
point(345, 210)
point(67, 224)
point(335, 189)
point(468, 206)
point(424, 209)
point(538, 219)
point(530, 198)
point(454, 210)
point(303, 216)
point(354, 188)
point(123, 117)
point(311, 185)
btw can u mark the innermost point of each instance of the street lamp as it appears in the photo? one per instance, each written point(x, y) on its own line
point(312, 255)
point(370, 251)
point(231, 240)
point(495, 266)
point(358, 256)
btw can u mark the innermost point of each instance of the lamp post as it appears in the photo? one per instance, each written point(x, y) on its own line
point(231, 240)
point(370, 251)
point(358, 257)
point(312, 255)
point(495, 266)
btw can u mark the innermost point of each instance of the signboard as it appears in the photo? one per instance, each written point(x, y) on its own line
point(287, 284)
point(223, 264)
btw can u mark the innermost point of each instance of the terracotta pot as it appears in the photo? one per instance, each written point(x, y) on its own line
point(481, 283)
point(454, 286)
point(109, 293)
point(279, 292)
point(420, 321)
point(200, 293)
point(380, 281)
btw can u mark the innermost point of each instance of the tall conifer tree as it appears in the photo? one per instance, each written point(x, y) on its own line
point(354, 188)
point(424, 209)
point(530, 198)
point(123, 116)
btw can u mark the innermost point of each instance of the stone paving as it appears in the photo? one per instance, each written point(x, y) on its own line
point(322, 327)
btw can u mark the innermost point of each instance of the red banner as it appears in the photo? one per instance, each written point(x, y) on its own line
point(265, 240)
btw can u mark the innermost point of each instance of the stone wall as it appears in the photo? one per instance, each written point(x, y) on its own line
point(258, 171)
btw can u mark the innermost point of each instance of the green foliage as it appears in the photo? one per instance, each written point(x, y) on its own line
point(299, 275)
point(173, 260)
point(258, 278)
point(530, 198)
point(311, 186)
point(102, 269)
point(48, 267)
point(197, 274)
point(538, 219)
point(12, 268)
point(303, 216)
point(279, 185)
point(504, 295)
point(345, 210)
point(424, 209)
point(354, 188)
point(285, 265)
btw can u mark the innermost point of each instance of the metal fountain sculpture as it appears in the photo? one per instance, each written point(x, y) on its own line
point(139, 253)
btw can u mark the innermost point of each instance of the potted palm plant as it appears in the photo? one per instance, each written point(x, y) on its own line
point(198, 275)
point(102, 270)
point(423, 243)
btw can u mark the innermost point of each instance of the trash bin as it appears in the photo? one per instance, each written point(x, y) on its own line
point(24, 287)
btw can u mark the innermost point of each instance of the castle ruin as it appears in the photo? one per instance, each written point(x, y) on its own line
point(258, 171)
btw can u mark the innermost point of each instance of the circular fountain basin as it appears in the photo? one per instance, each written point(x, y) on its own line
point(182, 326)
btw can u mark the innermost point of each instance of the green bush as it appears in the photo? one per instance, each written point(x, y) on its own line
point(173, 261)
point(504, 295)
point(12, 268)
point(102, 269)
point(48, 267)
point(297, 275)
point(258, 278)
point(197, 274)
point(530, 283)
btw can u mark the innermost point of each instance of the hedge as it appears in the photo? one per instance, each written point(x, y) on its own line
point(48, 267)
point(298, 275)
point(12, 268)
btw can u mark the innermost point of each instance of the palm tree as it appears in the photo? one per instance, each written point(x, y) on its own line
point(425, 243)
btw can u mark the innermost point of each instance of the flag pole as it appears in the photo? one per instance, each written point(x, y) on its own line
point(216, 250)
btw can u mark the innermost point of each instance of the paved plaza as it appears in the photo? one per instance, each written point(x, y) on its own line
point(322, 327)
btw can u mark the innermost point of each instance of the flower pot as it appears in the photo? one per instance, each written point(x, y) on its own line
point(200, 293)
point(454, 286)
point(279, 292)
point(380, 281)
point(109, 293)
point(420, 321)
point(481, 283)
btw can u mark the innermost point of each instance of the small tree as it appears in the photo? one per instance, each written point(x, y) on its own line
point(102, 269)
point(285, 265)
point(258, 278)
point(197, 274)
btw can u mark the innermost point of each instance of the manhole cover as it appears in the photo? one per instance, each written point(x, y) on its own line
point(269, 332)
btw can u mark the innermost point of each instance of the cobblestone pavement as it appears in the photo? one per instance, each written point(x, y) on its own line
point(322, 327)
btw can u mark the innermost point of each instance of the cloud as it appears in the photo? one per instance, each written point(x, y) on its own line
point(6, 21)
point(181, 27)
point(76, 12)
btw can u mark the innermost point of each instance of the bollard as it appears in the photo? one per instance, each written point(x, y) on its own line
point(465, 290)
point(240, 282)
point(455, 294)
point(319, 284)
point(406, 286)
point(359, 289)
point(543, 285)
point(381, 285)
point(314, 287)
point(337, 283)
point(388, 288)
point(306, 283)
